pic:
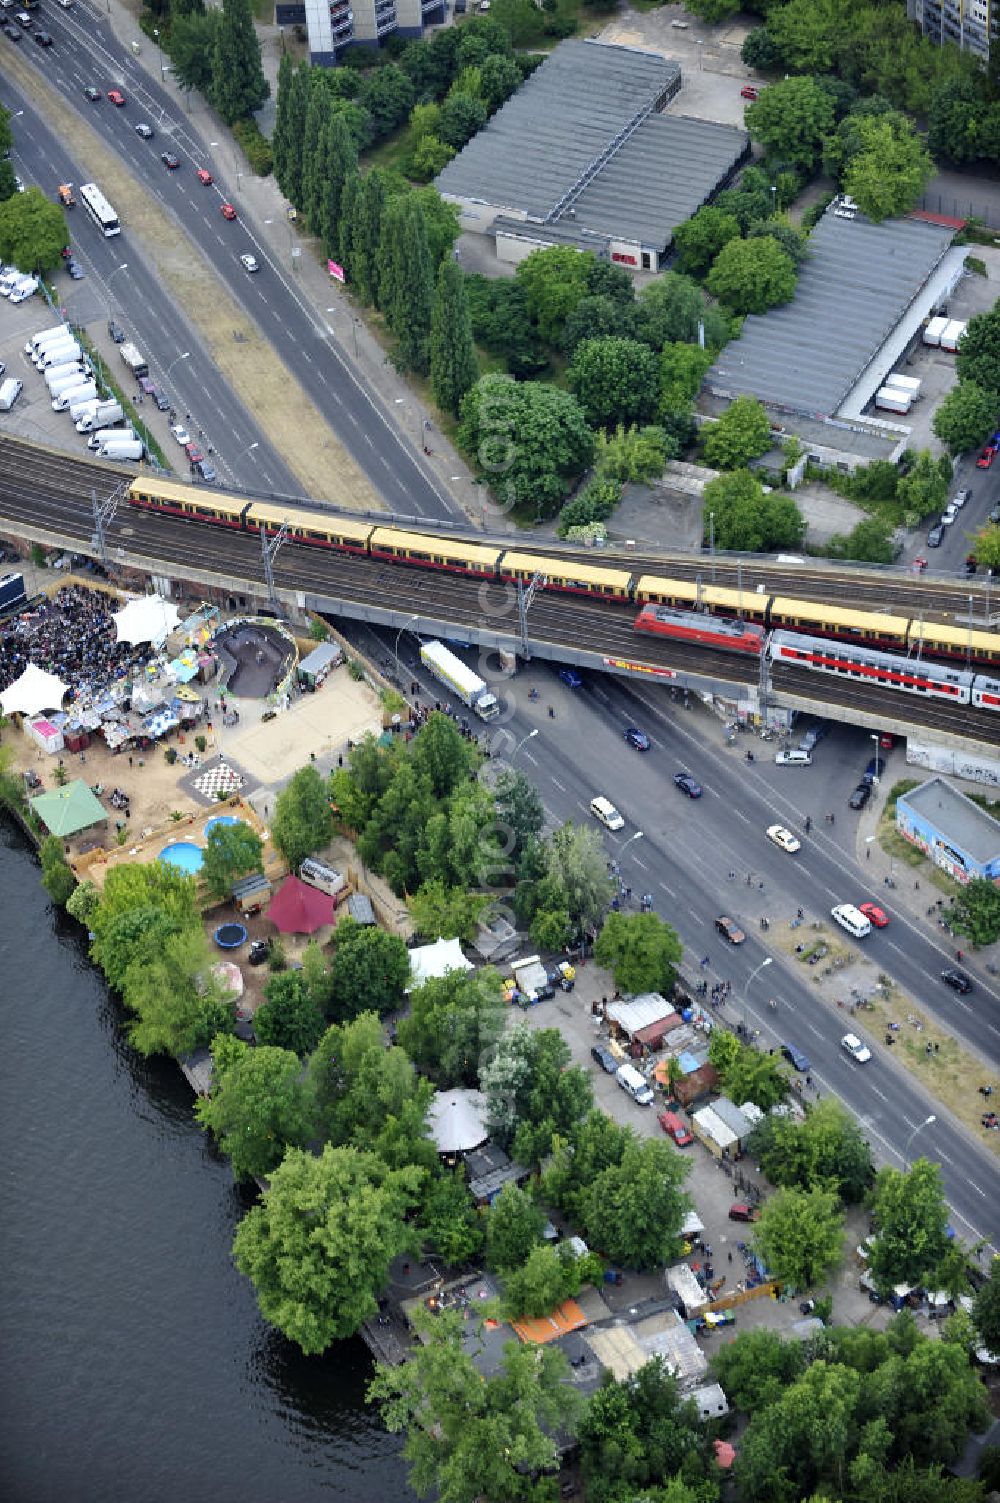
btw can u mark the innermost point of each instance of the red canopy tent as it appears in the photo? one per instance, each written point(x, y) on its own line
point(297, 908)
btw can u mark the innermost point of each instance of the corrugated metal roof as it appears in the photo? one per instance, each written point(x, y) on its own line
point(853, 289)
point(641, 1012)
point(561, 121)
point(659, 177)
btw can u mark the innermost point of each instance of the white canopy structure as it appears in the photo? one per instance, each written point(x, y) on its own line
point(33, 692)
point(148, 618)
point(457, 1121)
point(428, 962)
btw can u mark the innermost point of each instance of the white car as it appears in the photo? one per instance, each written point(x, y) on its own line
point(249, 263)
point(604, 810)
point(948, 515)
point(779, 836)
point(855, 1048)
point(794, 758)
point(181, 434)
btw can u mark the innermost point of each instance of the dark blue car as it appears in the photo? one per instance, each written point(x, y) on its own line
point(571, 677)
point(795, 1057)
point(637, 738)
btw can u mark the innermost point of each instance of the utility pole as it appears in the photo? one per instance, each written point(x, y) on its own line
point(269, 551)
point(524, 599)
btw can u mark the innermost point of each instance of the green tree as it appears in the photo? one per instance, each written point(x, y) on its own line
point(302, 820)
point(757, 1367)
point(282, 145)
point(470, 1437)
point(975, 912)
point(986, 1309)
point(453, 358)
point(533, 1092)
point(7, 184)
point(32, 231)
point(531, 440)
point(546, 1278)
point(441, 224)
point(978, 357)
point(870, 541)
point(825, 1150)
point(141, 905)
point(350, 202)
point(641, 951)
point(319, 1246)
point(643, 1433)
point(750, 276)
point(670, 310)
point(366, 235)
point(807, 34)
point(192, 49)
point(700, 239)
point(713, 11)
point(923, 490)
point(986, 547)
point(451, 1021)
point(387, 95)
point(369, 972)
point(595, 503)
point(316, 977)
point(238, 83)
point(891, 171)
point(502, 324)
point(550, 929)
point(84, 902)
point(257, 1108)
point(682, 370)
point(462, 115)
point(630, 456)
point(341, 163)
point(634, 1209)
point(965, 417)
point(800, 1235)
point(499, 78)
point(289, 1019)
point(554, 280)
point(231, 851)
point(406, 284)
point(449, 1224)
point(791, 120)
point(519, 808)
point(442, 912)
point(911, 1217)
point(577, 874)
point(514, 1226)
point(759, 51)
point(615, 380)
point(742, 433)
point(429, 157)
point(57, 876)
point(747, 520)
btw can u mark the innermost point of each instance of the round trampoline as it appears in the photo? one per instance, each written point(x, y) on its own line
point(184, 854)
point(230, 936)
point(221, 819)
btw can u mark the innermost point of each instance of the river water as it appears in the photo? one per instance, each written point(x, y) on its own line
point(133, 1362)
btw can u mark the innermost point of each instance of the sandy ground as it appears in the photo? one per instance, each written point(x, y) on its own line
point(250, 365)
point(269, 752)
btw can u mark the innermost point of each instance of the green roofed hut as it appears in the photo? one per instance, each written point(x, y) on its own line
point(69, 810)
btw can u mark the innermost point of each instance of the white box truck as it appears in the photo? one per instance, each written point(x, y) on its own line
point(102, 436)
point(124, 448)
point(461, 680)
point(42, 336)
point(952, 334)
point(934, 329)
point(80, 393)
point(57, 372)
point(630, 1080)
point(905, 383)
point(84, 408)
point(100, 415)
point(891, 399)
point(134, 359)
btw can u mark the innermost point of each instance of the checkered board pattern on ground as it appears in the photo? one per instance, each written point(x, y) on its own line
point(218, 779)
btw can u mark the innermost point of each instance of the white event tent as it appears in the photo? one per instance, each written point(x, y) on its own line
point(148, 618)
point(33, 692)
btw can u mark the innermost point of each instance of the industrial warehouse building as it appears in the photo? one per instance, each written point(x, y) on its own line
point(582, 156)
point(864, 293)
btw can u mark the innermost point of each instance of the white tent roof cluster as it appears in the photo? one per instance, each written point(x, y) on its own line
point(148, 618)
point(428, 962)
point(33, 692)
point(457, 1120)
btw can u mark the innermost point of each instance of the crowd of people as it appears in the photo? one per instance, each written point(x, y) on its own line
point(71, 635)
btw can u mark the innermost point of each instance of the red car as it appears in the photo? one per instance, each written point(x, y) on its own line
point(193, 453)
point(228, 212)
point(674, 1128)
point(877, 915)
point(205, 178)
point(887, 741)
point(749, 92)
point(117, 97)
point(986, 458)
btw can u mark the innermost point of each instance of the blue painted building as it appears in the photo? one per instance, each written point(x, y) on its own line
point(954, 832)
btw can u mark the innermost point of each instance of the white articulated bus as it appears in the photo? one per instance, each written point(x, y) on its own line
point(99, 209)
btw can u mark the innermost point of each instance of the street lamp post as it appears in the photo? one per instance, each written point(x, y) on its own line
point(159, 49)
point(919, 1128)
point(407, 623)
point(746, 990)
point(636, 836)
point(523, 742)
point(869, 839)
point(248, 450)
point(186, 356)
point(111, 277)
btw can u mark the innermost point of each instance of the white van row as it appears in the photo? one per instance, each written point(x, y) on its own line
point(72, 388)
point(17, 286)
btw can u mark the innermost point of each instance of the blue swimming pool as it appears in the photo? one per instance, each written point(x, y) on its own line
point(221, 819)
point(184, 854)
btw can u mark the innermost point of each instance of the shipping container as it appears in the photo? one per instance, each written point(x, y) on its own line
point(952, 334)
point(891, 399)
point(934, 330)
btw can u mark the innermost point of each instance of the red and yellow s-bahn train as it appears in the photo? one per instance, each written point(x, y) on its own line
point(706, 604)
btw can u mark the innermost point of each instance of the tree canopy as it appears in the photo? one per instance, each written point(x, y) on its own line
point(615, 380)
point(791, 120)
point(302, 820)
point(450, 1023)
point(257, 1107)
point(891, 169)
point(289, 1018)
point(975, 910)
point(231, 851)
point(318, 1247)
point(750, 276)
point(911, 1219)
point(742, 433)
point(747, 520)
point(699, 239)
point(800, 1235)
point(641, 951)
point(965, 417)
point(978, 356)
point(826, 1150)
point(530, 441)
point(370, 970)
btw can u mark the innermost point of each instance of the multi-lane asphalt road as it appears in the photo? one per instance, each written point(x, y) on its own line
point(687, 850)
point(85, 52)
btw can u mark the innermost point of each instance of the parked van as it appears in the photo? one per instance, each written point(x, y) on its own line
point(9, 393)
point(54, 373)
point(73, 378)
point(318, 874)
point(9, 279)
point(42, 336)
point(100, 415)
point(22, 290)
point(630, 1080)
point(125, 449)
point(84, 408)
point(82, 392)
point(58, 354)
point(851, 919)
point(104, 436)
point(65, 336)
